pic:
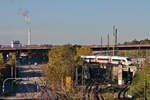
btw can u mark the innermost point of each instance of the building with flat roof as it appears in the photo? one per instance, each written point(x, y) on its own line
point(15, 44)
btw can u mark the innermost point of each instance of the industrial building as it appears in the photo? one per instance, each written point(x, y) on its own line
point(15, 44)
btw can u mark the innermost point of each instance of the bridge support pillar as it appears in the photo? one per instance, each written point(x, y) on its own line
point(109, 71)
point(114, 72)
point(120, 78)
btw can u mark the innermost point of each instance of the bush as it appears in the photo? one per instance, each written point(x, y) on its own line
point(139, 82)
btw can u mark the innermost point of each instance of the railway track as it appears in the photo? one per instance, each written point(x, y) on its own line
point(125, 91)
point(122, 93)
point(93, 92)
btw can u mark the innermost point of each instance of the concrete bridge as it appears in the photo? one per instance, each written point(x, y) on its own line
point(24, 49)
point(95, 48)
point(105, 48)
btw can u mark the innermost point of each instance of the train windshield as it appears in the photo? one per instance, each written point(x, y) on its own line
point(129, 59)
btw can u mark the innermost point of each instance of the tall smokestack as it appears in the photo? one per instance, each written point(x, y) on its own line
point(29, 36)
point(27, 18)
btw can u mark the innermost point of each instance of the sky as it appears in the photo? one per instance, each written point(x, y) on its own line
point(80, 22)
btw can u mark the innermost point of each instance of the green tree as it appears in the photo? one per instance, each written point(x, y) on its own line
point(145, 41)
point(81, 51)
point(138, 85)
point(12, 61)
point(61, 64)
point(1, 60)
point(135, 42)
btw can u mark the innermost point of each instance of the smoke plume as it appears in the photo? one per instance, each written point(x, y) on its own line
point(26, 15)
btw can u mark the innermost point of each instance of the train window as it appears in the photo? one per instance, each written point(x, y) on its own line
point(116, 60)
point(103, 59)
point(91, 58)
point(129, 59)
point(123, 60)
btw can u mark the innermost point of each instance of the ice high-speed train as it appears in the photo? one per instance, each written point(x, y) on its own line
point(108, 59)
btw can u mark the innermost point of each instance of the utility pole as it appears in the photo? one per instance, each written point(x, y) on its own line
point(101, 42)
point(145, 90)
point(108, 42)
point(15, 67)
point(115, 31)
point(76, 76)
point(116, 40)
point(113, 40)
point(12, 70)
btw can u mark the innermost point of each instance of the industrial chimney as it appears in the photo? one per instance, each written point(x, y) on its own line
point(29, 36)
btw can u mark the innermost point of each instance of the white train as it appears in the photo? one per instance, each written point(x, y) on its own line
point(108, 59)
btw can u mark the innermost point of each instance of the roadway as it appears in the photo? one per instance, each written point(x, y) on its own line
point(93, 47)
point(28, 88)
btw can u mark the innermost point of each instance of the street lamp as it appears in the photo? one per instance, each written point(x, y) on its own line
point(3, 87)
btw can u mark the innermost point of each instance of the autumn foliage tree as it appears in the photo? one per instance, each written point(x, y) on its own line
point(1, 60)
point(62, 63)
point(1, 63)
point(81, 51)
point(12, 60)
point(137, 88)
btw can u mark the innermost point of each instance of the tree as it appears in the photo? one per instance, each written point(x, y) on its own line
point(135, 42)
point(145, 41)
point(12, 60)
point(138, 85)
point(1, 60)
point(81, 51)
point(61, 64)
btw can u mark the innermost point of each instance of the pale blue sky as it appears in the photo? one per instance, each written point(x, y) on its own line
point(74, 21)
